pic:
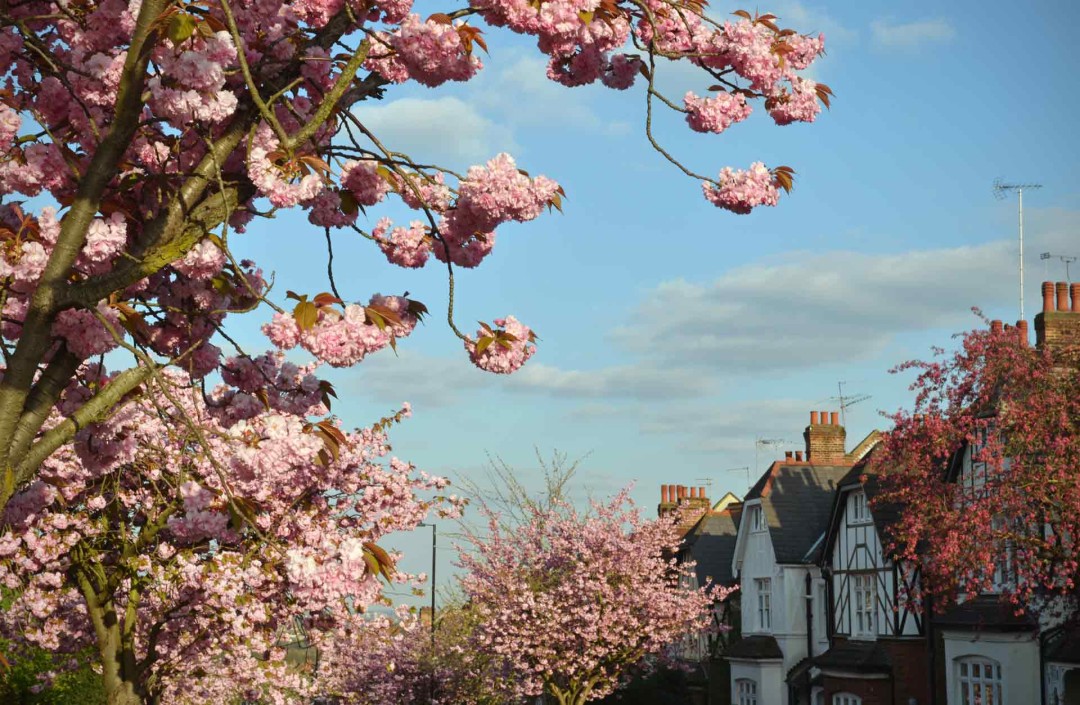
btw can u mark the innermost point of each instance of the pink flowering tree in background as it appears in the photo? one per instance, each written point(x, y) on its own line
point(382, 660)
point(1016, 410)
point(572, 603)
point(187, 542)
point(151, 133)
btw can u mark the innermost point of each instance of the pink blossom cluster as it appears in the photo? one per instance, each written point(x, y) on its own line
point(506, 349)
point(191, 85)
point(405, 247)
point(801, 104)
point(742, 191)
point(717, 113)
point(428, 52)
point(342, 338)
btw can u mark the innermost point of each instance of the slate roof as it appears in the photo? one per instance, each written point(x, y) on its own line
point(711, 544)
point(758, 646)
point(857, 656)
point(797, 499)
point(1063, 646)
point(986, 613)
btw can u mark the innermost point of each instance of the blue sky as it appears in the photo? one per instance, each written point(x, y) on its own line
point(674, 334)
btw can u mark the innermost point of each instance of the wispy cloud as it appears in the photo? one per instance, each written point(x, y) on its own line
point(889, 34)
point(446, 130)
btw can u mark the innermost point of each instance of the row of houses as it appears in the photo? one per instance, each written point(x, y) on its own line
point(826, 616)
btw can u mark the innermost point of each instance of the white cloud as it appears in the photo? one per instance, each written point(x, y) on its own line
point(908, 35)
point(809, 19)
point(446, 130)
point(518, 90)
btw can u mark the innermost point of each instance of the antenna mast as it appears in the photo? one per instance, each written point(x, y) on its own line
point(759, 442)
point(846, 401)
point(999, 192)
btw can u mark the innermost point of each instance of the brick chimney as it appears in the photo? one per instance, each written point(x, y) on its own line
point(825, 439)
point(1058, 325)
point(693, 501)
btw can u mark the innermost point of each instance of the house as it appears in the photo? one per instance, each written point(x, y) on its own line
point(878, 651)
point(708, 538)
point(777, 553)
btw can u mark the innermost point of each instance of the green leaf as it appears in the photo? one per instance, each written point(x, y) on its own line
point(180, 27)
point(306, 315)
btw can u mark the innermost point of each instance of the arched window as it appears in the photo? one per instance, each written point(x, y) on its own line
point(846, 699)
point(746, 691)
point(979, 681)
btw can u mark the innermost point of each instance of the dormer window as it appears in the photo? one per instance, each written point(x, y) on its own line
point(757, 519)
point(860, 512)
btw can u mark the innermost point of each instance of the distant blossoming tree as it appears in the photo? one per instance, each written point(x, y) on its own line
point(1011, 413)
point(571, 602)
point(149, 133)
point(382, 660)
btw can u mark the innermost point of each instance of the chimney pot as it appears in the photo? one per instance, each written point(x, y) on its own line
point(682, 492)
point(834, 418)
point(995, 326)
point(1022, 332)
point(798, 456)
point(701, 493)
point(824, 417)
point(693, 493)
point(1074, 288)
point(1062, 296)
point(788, 455)
point(1048, 296)
point(663, 494)
point(813, 418)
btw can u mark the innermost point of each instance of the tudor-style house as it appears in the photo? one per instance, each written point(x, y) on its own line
point(878, 654)
point(777, 554)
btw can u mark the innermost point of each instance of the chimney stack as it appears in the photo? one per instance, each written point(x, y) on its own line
point(825, 439)
point(1058, 325)
point(995, 326)
point(1022, 332)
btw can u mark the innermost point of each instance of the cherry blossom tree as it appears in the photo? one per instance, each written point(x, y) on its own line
point(1010, 413)
point(383, 660)
point(149, 133)
point(571, 602)
point(187, 542)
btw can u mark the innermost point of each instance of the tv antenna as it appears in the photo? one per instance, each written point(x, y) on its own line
point(1000, 188)
point(759, 442)
point(846, 400)
point(745, 468)
point(707, 481)
point(1067, 259)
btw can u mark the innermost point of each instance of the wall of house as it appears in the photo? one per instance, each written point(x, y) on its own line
point(759, 561)
point(873, 691)
point(1016, 652)
point(769, 676)
point(858, 548)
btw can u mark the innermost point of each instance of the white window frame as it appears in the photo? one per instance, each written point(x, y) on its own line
point(821, 614)
point(746, 691)
point(860, 509)
point(763, 595)
point(757, 519)
point(981, 674)
point(864, 605)
point(846, 699)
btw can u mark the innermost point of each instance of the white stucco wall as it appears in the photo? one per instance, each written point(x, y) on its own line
point(769, 676)
point(1018, 654)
